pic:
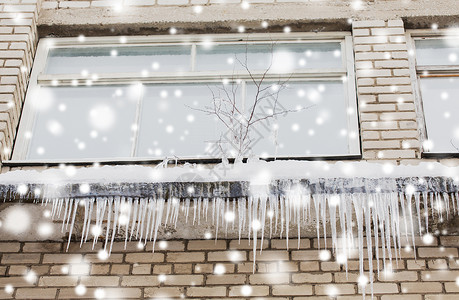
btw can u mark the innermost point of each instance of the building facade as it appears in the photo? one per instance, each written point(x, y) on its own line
point(400, 67)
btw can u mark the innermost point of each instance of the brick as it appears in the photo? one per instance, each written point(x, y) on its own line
point(145, 257)
point(183, 268)
point(415, 264)
point(399, 276)
point(361, 32)
point(270, 255)
point(421, 287)
point(16, 281)
point(227, 256)
point(184, 256)
point(20, 258)
point(439, 264)
point(54, 281)
point(36, 293)
point(61, 258)
point(207, 245)
point(162, 269)
point(168, 246)
point(164, 292)
point(80, 269)
point(279, 278)
point(184, 280)
point(226, 279)
point(100, 269)
point(382, 288)
point(292, 244)
point(441, 297)
point(388, 31)
point(139, 280)
point(255, 291)
point(292, 290)
point(451, 287)
point(401, 297)
point(142, 269)
point(309, 266)
point(9, 247)
point(120, 269)
point(288, 266)
point(206, 291)
point(341, 289)
point(446, 275)
point(311, 278)
point(100, 281)
point(110, 293)
point(368, 24)
point(437, 252)
point(113, 258)
point(370, 40)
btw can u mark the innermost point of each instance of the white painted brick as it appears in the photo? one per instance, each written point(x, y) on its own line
point(392, 64)
point(368, 24)
point(387, 31)
point(361, 32)
point(370, 39)
point(395, 23)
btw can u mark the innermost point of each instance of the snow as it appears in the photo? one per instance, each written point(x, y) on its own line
point(257, 171)
point(356, 200)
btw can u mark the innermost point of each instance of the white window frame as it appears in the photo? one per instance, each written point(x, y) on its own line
point(418, 72)
point(38, 78)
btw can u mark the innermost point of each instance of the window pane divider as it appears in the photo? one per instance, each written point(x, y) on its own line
point(438, 71)
point(129, 78)
point(172, 39)
point(138, 114)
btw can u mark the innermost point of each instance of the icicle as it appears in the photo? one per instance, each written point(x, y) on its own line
point(75, 207)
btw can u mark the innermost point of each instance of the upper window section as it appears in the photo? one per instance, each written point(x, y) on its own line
point(437, 52)
point(190, 97)
point(437, 67)
point(117, 59)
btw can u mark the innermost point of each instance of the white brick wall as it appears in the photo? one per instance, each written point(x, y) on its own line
point(18, 37)
point(386, 101)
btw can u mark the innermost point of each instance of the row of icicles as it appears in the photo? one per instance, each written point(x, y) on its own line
point(389, 217)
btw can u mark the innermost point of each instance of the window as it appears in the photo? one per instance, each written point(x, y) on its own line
point(437, 72)
point(146, 98)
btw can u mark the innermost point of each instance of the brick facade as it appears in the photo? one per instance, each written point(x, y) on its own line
point(389, 131)
point(210, 269)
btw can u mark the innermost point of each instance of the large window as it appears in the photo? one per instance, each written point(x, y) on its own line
point(143, 98)
point(437, 72)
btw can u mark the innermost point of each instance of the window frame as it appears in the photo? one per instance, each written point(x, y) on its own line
point(418, 72)
point(37, 78)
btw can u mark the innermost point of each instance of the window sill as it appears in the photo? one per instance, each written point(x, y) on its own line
point(440, 155)
point(147, 161)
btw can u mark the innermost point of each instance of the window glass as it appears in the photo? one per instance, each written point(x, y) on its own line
point(308, 116)
point(135, 59)
point(80, 123)
point(279, 58)
point(443, 51)
point(440, 98)
point(174, 121)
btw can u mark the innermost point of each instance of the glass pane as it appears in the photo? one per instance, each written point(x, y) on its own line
point(285, 58)
point(134, 59)
point(174, 122)
point(84, 122)
point(440, 99)
point(311, 120)
point(437, 52)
